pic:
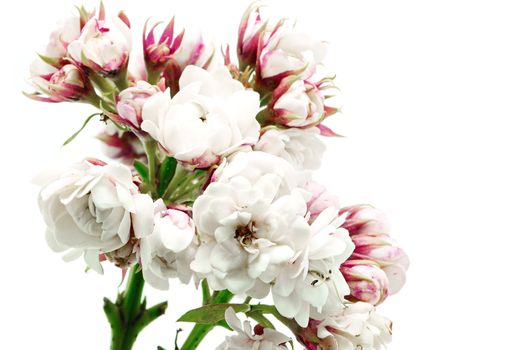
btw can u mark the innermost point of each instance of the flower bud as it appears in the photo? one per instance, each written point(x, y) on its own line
point(383, 251)
point(364, 218)
point(297, 102)
point(194, 50)
point(68, 83)
point(130, 103)
point(250, 29)
point(158, 52)
point(367, 282)
point(103, 45)
point(284, 52)
point(320, 200)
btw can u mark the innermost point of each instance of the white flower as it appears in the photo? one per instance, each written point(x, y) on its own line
point(247, 232)
point(103, 45)
point(253, 165)
point(246, 339)
point(357, 326)
point(312, 281)
point(168, 251)
point(92, 208)
point(286, 51)
point(300, 147)
point(211, 116)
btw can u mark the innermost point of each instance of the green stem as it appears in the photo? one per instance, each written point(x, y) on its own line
point(133, 292)
point(151, 147)
point(175, 182)
point(128, 316)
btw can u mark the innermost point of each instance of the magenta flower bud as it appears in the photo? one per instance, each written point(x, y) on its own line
point(251, 28)
point(130, 103)
point(68, 83)
point(367, 282)
point(158, 52)
point(364, 218)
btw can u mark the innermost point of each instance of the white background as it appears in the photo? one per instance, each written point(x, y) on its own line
point(435, 115)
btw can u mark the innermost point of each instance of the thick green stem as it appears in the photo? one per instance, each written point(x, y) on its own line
point(128, 316)
point(134, 290)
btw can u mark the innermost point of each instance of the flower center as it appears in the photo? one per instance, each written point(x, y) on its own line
point(245, 234)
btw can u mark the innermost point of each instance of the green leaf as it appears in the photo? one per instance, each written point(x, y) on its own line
point(211, 314)
point(71, 138)
point(142, 170)
point(166, 172)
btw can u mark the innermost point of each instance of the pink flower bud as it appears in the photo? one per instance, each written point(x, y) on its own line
point(194, 50)
point(369, 229)
point(284, 52)
point(104, 45)
point(68, 83)
point(364, 218)
point(297, 102)
point(367, 282)
point(320, 200)
point(158, 52)
point(249, 32)
point(382, 250)
point(130, 103)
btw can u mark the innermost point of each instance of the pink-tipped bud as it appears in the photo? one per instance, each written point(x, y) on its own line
point(68, 83)
point(300, 103)
point(364, 218)
point(251, 28)
point(383, 251)
point(130, 103)
point(320, 199)
point(285, 52)
point(104, 44)
point(158, 52)
point(369, 230)
point(367, 282)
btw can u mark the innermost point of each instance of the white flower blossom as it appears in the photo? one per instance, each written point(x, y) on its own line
point(357, 326)
point(168, 251)
point(300, 147)
point(211, 116)
point(247, 339)
point(312, 282)
point(92, 208)
point(247, 231)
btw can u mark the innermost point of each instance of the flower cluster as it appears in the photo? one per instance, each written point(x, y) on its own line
point(211, 180)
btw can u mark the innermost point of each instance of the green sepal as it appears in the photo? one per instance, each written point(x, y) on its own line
point(142, 170)
point(165, 174)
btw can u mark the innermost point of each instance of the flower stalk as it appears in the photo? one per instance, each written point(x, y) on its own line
point(128, 316)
